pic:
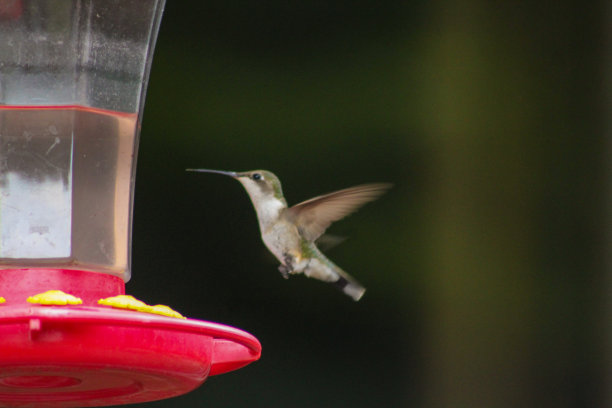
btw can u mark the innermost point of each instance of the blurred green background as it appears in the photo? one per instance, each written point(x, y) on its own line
point(486, 265)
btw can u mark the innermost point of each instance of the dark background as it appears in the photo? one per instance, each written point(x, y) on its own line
point(486, 265)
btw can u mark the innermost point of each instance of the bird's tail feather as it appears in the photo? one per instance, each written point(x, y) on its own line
point(350, 287)
point(320, 267)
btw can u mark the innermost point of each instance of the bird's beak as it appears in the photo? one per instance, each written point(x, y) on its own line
point(225, 173)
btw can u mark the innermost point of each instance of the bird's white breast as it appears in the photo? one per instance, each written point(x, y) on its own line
point(268, 211)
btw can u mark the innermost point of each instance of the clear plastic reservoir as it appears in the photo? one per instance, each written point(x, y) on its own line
point(73, 75)
point(65, 177)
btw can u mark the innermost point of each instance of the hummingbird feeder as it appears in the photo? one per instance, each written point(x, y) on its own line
point(73, 76)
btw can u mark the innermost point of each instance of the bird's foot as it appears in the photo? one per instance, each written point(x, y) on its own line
point(284, 271)
point(286, 268)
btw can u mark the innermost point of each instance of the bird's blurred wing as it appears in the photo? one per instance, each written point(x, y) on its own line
point(313, 216)
point(327, 241)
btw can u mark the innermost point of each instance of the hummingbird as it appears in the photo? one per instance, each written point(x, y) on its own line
point(290, 233)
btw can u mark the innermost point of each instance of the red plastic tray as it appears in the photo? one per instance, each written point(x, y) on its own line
point(83, 356)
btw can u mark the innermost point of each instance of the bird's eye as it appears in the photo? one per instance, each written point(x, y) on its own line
point(256, 176)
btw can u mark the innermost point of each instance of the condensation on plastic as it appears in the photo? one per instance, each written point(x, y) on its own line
point(93, 53)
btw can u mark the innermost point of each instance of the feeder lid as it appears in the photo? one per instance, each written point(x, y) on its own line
point(85, 356)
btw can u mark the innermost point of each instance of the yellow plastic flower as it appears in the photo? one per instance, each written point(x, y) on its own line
point(54, 297)
point(122, 302)
point(131, 303)
point(162, 310)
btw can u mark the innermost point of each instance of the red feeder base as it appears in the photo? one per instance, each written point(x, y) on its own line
point(86, 355)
